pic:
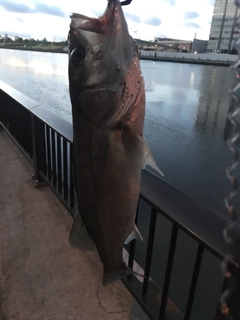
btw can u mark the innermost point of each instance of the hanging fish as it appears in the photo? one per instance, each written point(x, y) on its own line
point(108, 107)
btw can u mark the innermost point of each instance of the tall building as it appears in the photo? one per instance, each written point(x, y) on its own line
point(222, 28)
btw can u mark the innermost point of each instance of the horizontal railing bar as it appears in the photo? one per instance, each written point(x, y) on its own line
point(57, 123)
point(20, 98)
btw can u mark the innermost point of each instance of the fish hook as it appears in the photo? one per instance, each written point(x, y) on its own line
point(126, 2)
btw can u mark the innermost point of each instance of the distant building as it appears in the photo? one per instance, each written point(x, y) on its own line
point(174, 44)
point(6, 36)
point(44, 40)
point(222, 28)
point(199, 46)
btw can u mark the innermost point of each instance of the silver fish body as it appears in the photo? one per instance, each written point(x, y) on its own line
point(108, 106)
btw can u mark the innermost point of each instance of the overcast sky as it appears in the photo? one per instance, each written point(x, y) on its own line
point(146, 18)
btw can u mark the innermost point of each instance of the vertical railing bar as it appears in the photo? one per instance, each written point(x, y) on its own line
point(65, 169)
point(72, 191)
point(49, 154)
point(168, 272)
point(39, 149)
point(133, 244)
point(59, 161)
point(148, 263)
point(194, 282)
point(54, 167)
point(45, 150)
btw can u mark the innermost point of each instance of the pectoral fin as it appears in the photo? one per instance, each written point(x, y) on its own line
point(134, 235)
point(149, 161)
point(79, 237)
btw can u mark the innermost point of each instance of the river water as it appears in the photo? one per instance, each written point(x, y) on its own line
point(186, 115)
point(185, 125)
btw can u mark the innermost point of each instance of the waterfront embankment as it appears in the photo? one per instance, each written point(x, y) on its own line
point(217, 59)
point(181, 57)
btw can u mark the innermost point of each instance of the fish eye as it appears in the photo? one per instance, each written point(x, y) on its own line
point(78, 54)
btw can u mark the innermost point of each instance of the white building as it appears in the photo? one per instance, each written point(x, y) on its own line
point(222, 28)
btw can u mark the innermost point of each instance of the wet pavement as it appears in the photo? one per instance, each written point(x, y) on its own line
point(41, 276)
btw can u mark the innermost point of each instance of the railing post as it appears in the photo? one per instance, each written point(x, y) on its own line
point(39, 150)
point(232, 302)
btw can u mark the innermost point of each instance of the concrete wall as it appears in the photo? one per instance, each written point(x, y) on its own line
point(192, 56)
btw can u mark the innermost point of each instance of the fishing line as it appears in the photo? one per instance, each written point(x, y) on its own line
point(140, 275)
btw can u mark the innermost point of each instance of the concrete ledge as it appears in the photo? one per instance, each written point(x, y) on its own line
point(41, 276)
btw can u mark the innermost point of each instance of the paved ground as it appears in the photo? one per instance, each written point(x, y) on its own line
point(41, 276)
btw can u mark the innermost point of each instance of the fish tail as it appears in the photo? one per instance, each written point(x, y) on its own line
point(111, 276)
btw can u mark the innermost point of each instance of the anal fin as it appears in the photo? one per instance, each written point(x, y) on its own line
point(134, 235)
point(79, 237)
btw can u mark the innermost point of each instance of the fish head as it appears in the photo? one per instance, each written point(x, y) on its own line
point(103, 61)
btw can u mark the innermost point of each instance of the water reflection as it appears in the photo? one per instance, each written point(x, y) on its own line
point(191, 95)
point(214, 103)
point(41, 76)
point(32, 61)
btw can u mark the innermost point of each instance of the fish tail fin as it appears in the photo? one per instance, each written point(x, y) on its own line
point(79, 237)
point(111, 276)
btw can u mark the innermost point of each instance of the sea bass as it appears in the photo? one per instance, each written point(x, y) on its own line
point(108, 107)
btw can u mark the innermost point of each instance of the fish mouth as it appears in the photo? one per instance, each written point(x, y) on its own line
point(105, 25)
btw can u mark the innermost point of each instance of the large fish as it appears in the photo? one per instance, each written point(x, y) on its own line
point(108, 106)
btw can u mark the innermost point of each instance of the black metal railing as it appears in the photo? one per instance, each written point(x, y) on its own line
point(46, 139)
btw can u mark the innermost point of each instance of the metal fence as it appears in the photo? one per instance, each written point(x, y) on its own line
point(46, 139)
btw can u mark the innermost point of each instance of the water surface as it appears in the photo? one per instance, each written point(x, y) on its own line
point(186, 114)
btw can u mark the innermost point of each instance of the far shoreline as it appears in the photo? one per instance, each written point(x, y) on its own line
point(34, 49)
point(177, 57)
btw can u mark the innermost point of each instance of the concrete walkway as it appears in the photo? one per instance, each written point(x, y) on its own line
point(41, 276)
